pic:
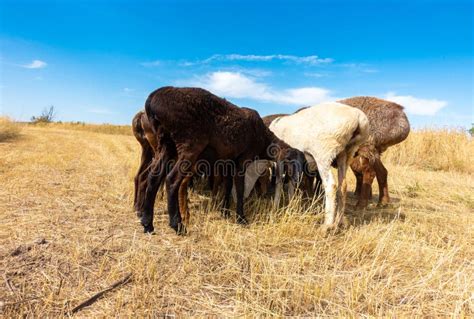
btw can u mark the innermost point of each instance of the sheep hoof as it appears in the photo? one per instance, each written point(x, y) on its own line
point(383, 203)
point(147, 223)
point(181, 230)
point(325, 230)
point(242, 220)
point(148, 229)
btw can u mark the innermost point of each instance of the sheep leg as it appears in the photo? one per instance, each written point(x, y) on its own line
point(358, 176)
point(141, 182)
point(177, 183)
point(239, 182)
point(342, 164)
point(183, 200)
point(181, 170)
point(318, 185)
point(367, 179)
point(330, 194)
point(145, 161)
point(227, 191)
point(291, 190)
point(263, 181)
point(307, 185)
point(382, 173)
point(278, 172)
point(173, 183)
point(154, 181)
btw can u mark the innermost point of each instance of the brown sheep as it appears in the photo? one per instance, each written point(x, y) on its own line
point(191, 120)
point(148, 140)
point(388, 126)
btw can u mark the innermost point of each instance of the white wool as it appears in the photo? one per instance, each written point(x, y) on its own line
point(325, 132)
point(324, 129)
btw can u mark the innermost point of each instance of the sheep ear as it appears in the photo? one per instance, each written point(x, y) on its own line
point(279, 183)
point(311, 162)
point(252, 173)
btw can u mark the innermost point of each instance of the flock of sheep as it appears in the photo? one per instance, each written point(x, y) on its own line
point(184, 130)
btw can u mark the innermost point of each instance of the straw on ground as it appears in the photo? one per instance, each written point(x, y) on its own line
point(72, 190)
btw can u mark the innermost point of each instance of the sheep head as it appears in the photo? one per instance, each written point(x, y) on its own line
point(290, 163)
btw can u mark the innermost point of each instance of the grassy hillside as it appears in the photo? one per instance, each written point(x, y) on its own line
point(68, 232)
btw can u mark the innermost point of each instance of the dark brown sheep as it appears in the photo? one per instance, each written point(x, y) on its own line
point(193, 119)
point(388, 126)
point(148, 141)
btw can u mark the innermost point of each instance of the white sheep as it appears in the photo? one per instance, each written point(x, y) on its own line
point(326, 133)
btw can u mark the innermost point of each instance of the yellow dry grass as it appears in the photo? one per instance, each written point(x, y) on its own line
point(81, 126)
point(68, 231)
point(435, 149)
point(8, 129)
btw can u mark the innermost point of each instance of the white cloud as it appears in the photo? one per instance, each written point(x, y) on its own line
point(35, 64)
point(238, 85)
point(303, 96)
point(128, 90)
point(258, 73)
point(151, 63)
point(310, 59)
point(233, 84)
point(417, 106)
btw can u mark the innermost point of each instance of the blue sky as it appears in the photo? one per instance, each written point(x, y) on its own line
point(96, 61)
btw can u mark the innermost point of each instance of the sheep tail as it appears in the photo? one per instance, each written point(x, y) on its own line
point(154, 123)
point(137, 129)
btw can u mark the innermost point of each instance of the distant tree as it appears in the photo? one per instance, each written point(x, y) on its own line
point(471, 130)
point(47, 115)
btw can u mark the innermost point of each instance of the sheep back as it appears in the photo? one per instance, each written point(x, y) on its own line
point(388, 122)
point(327, 129)
point(194, 114)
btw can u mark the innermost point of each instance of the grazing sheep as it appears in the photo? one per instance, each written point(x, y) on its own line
point(388, 126)
point(327, 132)
point(193, 119)
point(148, 140)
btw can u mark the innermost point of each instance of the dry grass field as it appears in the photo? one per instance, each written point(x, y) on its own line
point(68, 231)
point(8, 129)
